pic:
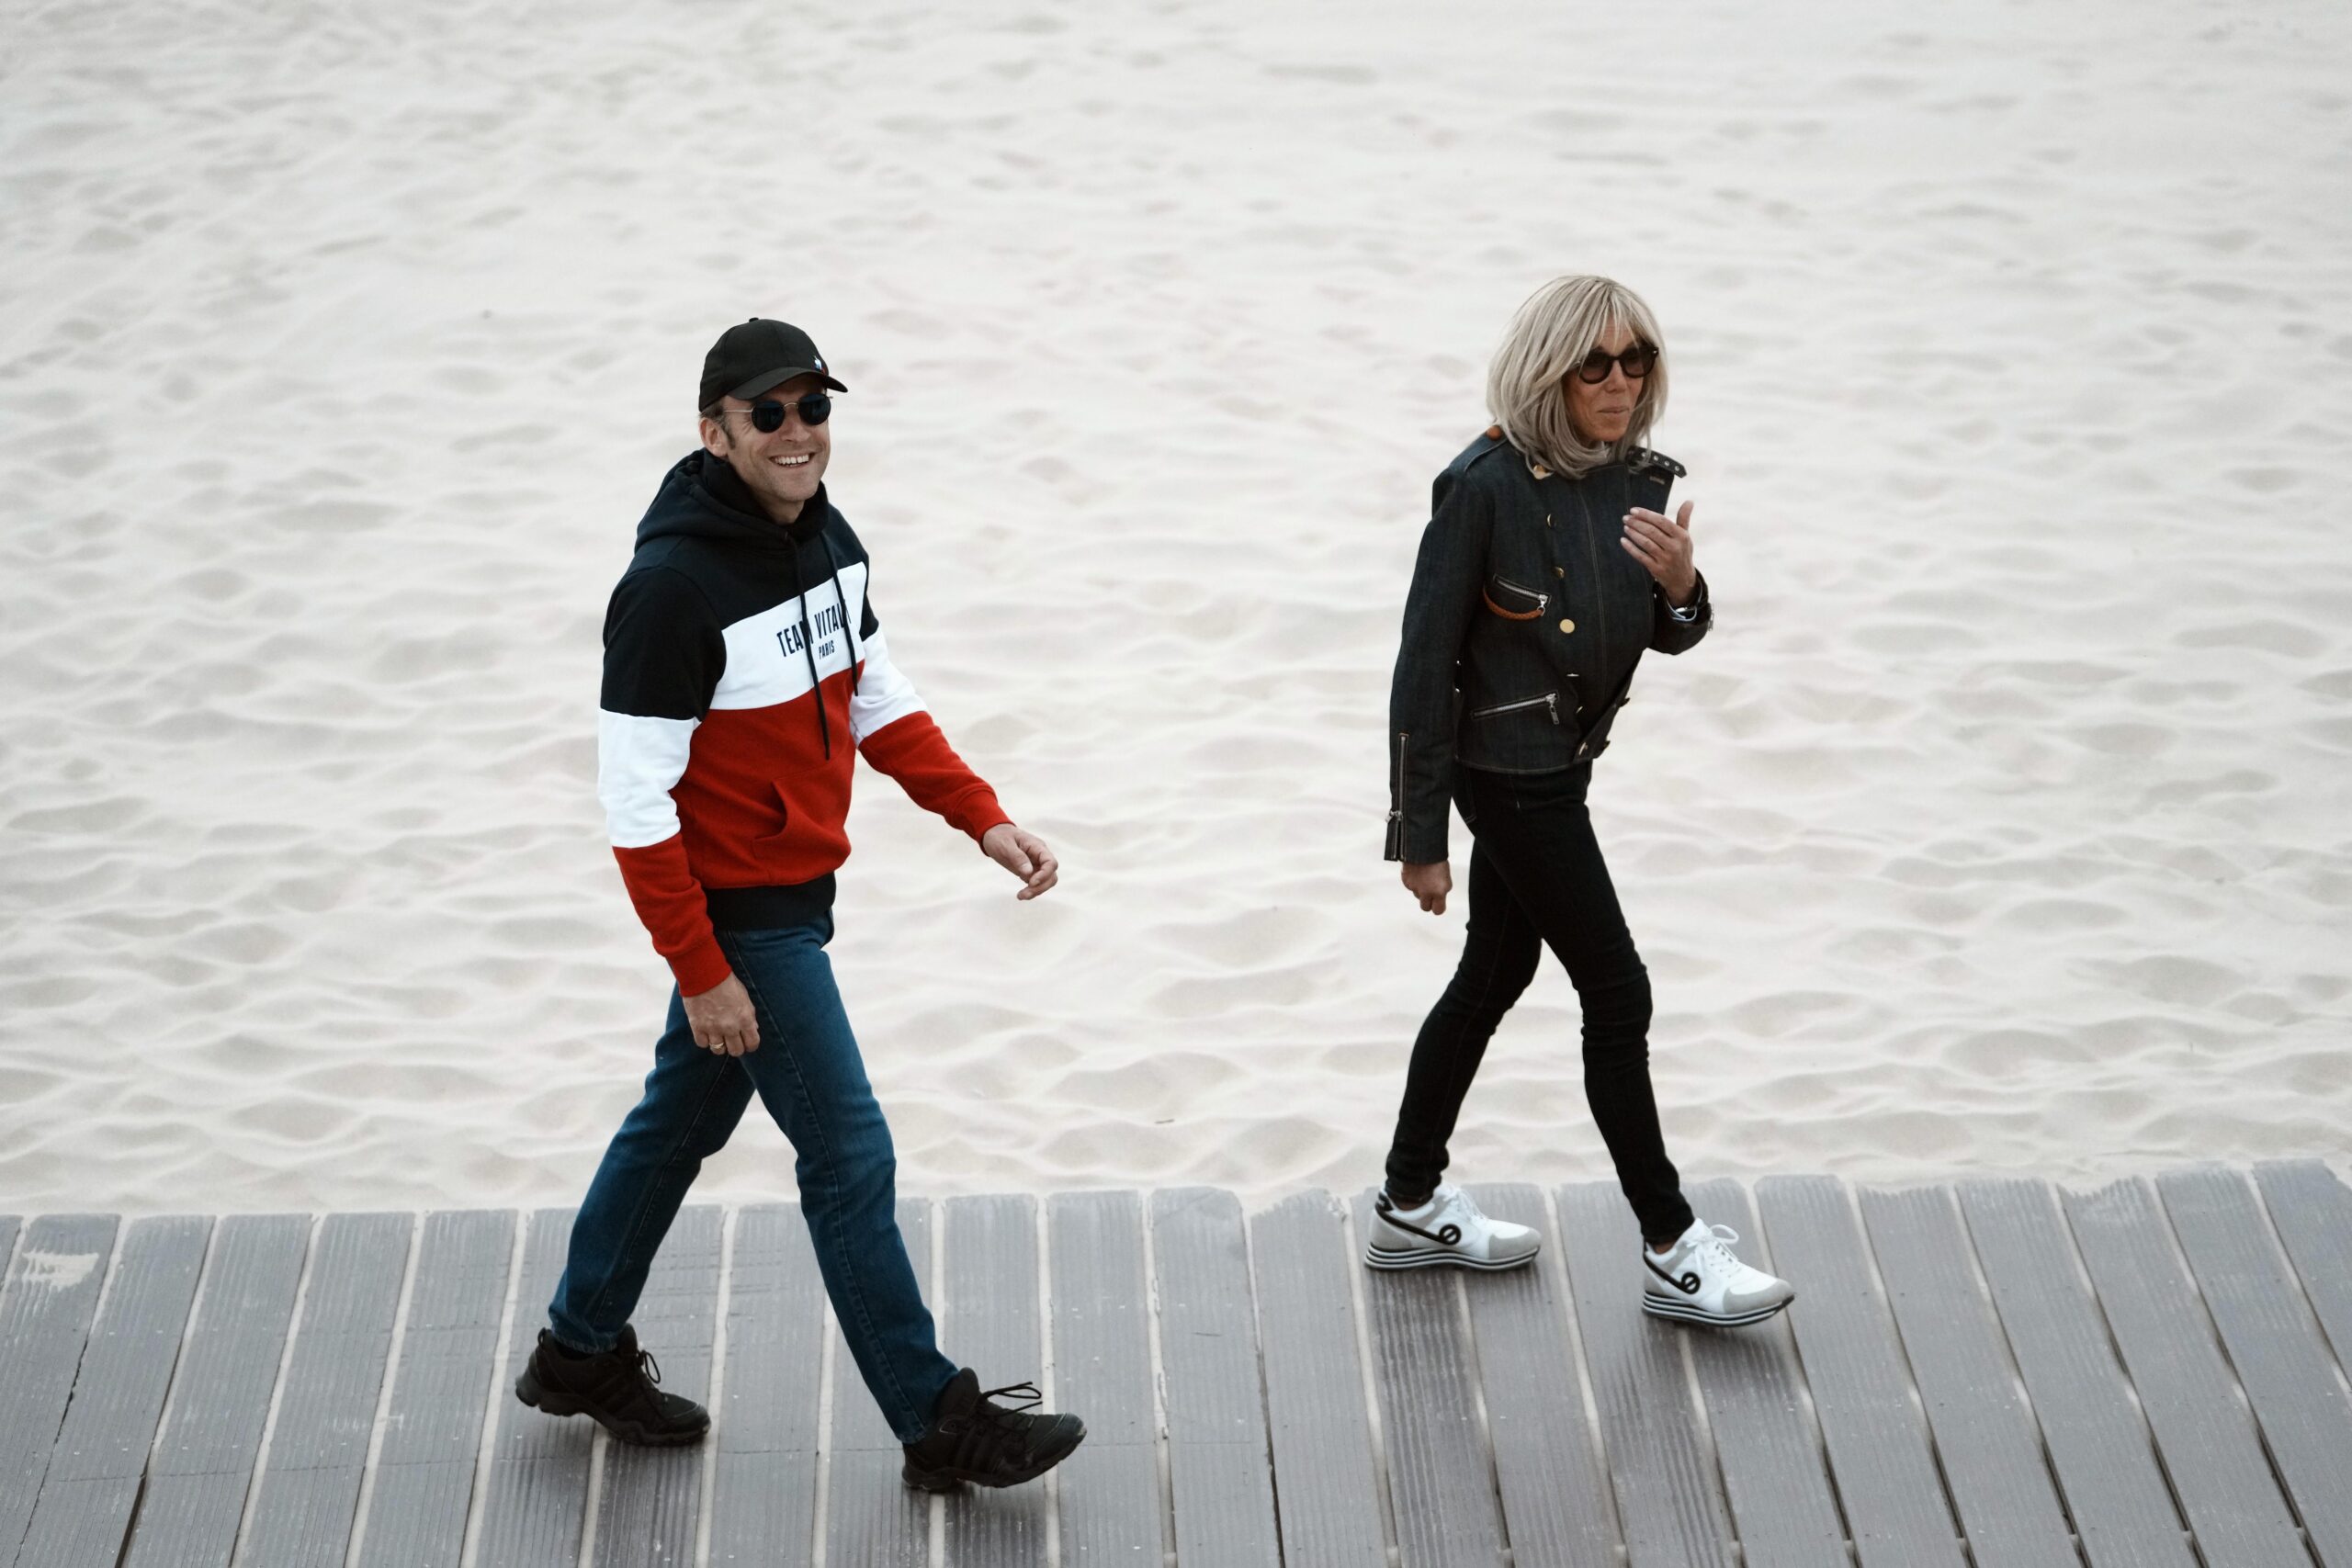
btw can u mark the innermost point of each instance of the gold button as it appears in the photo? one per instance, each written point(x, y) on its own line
point(1559, 571)
point(1567, 626)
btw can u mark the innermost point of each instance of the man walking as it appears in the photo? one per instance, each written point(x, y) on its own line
point(744, 671)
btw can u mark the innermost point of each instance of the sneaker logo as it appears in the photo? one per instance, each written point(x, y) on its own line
point(1447, 1235)
point(1688, 1284)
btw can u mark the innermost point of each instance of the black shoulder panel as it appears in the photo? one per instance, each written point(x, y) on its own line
point(1643, 457)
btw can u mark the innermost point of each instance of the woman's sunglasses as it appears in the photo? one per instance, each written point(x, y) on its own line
point(767, 415)
point(1636, 360)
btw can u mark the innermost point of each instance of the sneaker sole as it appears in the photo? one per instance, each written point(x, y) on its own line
point(1658, 1306)
point(948, 1480)
point(531, 1392)
point(1437, 1256)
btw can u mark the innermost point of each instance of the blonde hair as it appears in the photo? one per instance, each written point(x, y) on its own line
point(1526, 391)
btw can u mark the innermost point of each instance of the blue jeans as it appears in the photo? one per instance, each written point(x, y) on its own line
point(808, 1072)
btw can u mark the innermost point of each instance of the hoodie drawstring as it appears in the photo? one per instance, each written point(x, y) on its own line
point(809, 642)
point(856, 657)
point(808, 647)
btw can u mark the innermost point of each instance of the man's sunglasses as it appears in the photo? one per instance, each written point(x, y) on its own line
point(767, 415)
point(1636, 360)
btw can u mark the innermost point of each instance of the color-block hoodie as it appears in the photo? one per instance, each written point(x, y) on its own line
point(744, 671)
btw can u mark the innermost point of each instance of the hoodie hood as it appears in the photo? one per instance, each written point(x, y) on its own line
point(701, 497)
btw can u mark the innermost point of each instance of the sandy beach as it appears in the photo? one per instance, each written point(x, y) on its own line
point(2004, 823)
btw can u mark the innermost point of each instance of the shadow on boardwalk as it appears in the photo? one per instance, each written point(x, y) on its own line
point(1997, 1373)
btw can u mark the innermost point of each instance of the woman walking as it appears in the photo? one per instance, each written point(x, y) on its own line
point(1548, 566)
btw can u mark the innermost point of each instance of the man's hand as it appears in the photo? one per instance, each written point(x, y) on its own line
point(723, 1020)
point(1430, 883)
point(1024, 854)
point(1663, 544)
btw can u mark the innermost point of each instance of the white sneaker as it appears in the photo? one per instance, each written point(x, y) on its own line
point(1700, 1280)
point(1447, 1229)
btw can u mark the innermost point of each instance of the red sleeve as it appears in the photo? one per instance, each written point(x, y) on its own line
point(914, 753)
point(669, 901)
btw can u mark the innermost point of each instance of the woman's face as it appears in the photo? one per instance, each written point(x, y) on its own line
point(1602, 412)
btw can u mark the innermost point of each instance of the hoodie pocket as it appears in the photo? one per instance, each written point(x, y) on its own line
point(1513, 603)
point(779, 819)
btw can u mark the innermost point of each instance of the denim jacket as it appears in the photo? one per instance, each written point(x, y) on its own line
point(1522, 627)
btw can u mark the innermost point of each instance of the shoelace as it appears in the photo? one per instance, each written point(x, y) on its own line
point(648, 1366)
point(1717, 1242)
point(1461, 1202)
point(1031, 1397)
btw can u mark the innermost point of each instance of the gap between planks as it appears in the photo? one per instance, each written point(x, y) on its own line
point(376, 1430)
point(492, 1407)
point(172, 1383)
point(1351, 1260)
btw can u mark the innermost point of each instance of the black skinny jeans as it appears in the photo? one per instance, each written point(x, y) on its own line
point(1536, 880)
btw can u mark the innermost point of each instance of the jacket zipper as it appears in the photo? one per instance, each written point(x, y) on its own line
point(1543, 601)
point(1397, 801)
point(1549, 700)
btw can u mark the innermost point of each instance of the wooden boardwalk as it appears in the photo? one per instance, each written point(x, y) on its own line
point(1998, 1374)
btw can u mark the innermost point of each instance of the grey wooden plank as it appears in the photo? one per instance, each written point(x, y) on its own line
point(2275, 1348)
point(535, 1499)
point(1220, 1472)
point(2097, 1442)
point(2202, 1428)
point(1878, 1441)
point(1991, 1450)
point(2312, 1212)
point(46, 1308)
point(1441, 1483)
point(1766, 1441)
point(764, 1498)
point(1666, 1500)
point(201, 1470)
point(991, 1323)
point(873, 1517)
point(1108, 1490)
point(1317, 1429)
point(650, 1504)
point(424, 1467)
point(1553, 1485)
point(83, 1511)
point(308, 1493)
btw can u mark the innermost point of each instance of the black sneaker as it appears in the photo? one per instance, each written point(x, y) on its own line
point(615, 1388)
point(991, 1445)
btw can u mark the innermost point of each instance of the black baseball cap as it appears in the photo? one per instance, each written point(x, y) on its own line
point(754, 356)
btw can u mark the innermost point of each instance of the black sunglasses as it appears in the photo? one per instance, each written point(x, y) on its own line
point(1636, 360)
point(767, 415)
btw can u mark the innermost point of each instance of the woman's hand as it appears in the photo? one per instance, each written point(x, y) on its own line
point(1663, 544)
point(1430, 883)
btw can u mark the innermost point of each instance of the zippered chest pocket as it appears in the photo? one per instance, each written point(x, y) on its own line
point(1545, 707)
point(1514, 601)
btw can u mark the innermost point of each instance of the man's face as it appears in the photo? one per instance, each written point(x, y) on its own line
point(782, 468)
